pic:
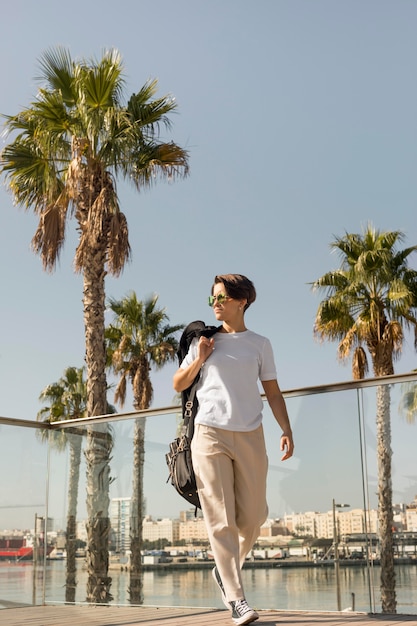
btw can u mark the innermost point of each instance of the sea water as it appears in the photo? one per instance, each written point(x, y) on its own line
point(282, 588)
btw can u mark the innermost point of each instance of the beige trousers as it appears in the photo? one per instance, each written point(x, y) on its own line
point(231, 469)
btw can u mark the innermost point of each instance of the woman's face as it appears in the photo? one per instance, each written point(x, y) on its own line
point(224, 307)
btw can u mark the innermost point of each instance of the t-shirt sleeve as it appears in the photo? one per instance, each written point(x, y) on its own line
point(267, 370)
point(191, 354)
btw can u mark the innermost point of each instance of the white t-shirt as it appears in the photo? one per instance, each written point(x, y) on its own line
point(228, 393)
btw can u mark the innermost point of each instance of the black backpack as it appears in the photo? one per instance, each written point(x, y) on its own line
point(178, 459)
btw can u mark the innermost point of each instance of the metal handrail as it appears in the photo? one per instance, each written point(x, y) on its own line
point(289, 393)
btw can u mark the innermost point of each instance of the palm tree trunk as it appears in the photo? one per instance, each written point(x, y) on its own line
point(75, 443)
point(99, 445)
point(95, 347)
point(385, 509)
point(99, 440)
point(137, 514)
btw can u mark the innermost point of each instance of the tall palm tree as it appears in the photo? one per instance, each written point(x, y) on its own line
point(139, 337)
point(369, 302)
point(69, 146)
point(67, 399)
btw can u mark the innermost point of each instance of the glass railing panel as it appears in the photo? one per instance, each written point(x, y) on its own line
point(23, 512)
point(335, 463)
point(327, 461)
point(67, 513)
point(404, 488)
point(160, 499)
point(326, 466)
point(326, 469)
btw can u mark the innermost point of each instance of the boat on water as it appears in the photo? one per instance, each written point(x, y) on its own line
point(57, 555)
point(19, 549)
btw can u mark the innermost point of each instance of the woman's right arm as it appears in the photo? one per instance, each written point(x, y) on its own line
point(184, 377)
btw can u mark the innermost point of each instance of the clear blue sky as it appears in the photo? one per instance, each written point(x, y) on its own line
point(301, 121)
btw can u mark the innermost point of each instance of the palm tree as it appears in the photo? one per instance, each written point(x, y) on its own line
point(69, 146)
point(139, 338)
point(67, 399)
point(369, 303)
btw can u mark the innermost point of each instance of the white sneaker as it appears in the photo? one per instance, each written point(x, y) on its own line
point(242, 612)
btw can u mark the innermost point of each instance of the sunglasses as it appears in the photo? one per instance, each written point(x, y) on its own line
point(220, 298)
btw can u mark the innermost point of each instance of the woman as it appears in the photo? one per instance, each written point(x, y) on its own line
point(228, 447)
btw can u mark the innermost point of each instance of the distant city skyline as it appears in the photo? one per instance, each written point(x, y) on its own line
point(317, 524)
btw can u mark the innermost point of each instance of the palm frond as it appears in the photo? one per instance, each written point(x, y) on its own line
point(120, 391)
point(359, 364)
point(148, 114)
point(118, 243)
point(58, 70)
point(50, 234)
point(333, 319)
point(155, 161)
point(102, 81)
point(332, 281)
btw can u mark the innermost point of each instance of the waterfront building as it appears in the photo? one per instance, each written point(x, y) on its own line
point(410, 516)
point(411, 519)
point(306, 523)
point(273, 528)
point(154, 530)
point(120, 524)
point(320, 525)
point(193, 530)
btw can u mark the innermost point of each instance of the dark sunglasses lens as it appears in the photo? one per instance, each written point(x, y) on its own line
point(221, 298)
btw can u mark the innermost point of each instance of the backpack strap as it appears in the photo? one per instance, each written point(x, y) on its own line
point(190, 410)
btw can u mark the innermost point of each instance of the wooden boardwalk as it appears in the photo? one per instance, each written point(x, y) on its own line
point(63, 615)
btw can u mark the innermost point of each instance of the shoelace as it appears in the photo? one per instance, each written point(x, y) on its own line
point(242, 607)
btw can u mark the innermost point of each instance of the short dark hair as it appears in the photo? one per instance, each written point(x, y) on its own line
point(237, 287)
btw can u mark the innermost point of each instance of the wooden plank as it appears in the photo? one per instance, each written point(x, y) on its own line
point(64, 615)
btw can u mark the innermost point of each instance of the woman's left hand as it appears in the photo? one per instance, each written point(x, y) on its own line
point(287, 446)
